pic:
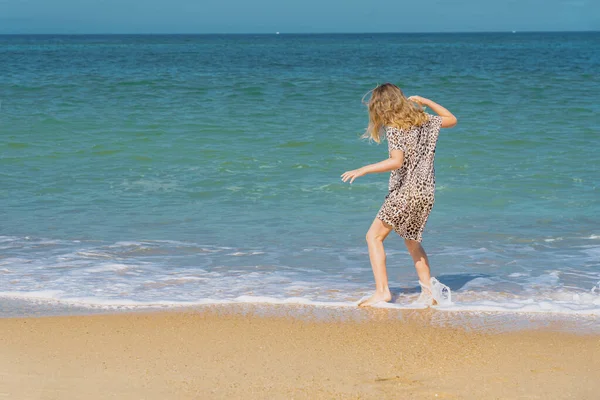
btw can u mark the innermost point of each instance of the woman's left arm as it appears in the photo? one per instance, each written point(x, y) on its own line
point(394, 162)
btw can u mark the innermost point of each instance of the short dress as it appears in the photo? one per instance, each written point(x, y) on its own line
point(412, 186)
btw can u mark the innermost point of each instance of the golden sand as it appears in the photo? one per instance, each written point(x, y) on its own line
point(231, 353)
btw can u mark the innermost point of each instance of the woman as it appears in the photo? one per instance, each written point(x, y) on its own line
point(412, 136)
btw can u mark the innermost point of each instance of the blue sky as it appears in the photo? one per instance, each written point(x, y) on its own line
point(267, 16)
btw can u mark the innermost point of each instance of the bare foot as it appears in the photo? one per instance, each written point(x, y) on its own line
point(376, 298)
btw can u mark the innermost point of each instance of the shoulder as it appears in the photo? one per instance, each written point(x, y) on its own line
point(435, 121)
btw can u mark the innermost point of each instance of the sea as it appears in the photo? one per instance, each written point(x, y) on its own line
point(157, 171)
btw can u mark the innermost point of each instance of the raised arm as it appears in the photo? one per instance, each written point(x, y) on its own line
point(448, 119)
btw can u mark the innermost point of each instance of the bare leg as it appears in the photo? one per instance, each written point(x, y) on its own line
point(420, 258)
point(378, 231)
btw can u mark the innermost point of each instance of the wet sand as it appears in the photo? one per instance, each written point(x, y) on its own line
point(234, 353)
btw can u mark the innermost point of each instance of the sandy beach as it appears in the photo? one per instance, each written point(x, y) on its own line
point(218, 353)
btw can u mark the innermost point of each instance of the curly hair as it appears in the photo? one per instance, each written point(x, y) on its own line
point(389, 107)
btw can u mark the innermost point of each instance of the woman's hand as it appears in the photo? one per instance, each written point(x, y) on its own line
point(448, 119)
point(352, 175)
point(422, 101)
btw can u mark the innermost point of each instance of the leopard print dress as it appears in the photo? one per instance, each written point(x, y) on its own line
point(411, 187)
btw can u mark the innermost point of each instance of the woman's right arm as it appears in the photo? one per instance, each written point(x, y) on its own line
point(448, 119)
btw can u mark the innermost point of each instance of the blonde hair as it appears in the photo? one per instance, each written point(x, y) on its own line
point(389, 107)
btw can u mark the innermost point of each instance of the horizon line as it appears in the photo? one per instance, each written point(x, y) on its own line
point(293, 33)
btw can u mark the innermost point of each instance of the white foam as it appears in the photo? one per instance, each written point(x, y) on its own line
point(55, 297)
point(182, 279)
point(478, 283)
point(123, 274)
point(14, 261)
point(551, 278)
point(109, 267)
point(525, 306)
point(34, 295)
point(94, 254)
point(579, 306)
point(553, 239)
point(593, 252)
point(127, 244)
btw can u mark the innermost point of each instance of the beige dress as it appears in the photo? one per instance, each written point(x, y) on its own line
point(411, 187)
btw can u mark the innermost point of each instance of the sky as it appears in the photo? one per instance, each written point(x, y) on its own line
point(295, 16)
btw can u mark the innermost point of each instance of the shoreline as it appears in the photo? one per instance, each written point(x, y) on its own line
point(259, 352)
point(483, 321)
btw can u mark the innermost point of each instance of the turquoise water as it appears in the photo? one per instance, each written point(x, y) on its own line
point(158, 170)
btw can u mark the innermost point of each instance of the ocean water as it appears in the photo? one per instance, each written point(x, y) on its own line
point(142, 171)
